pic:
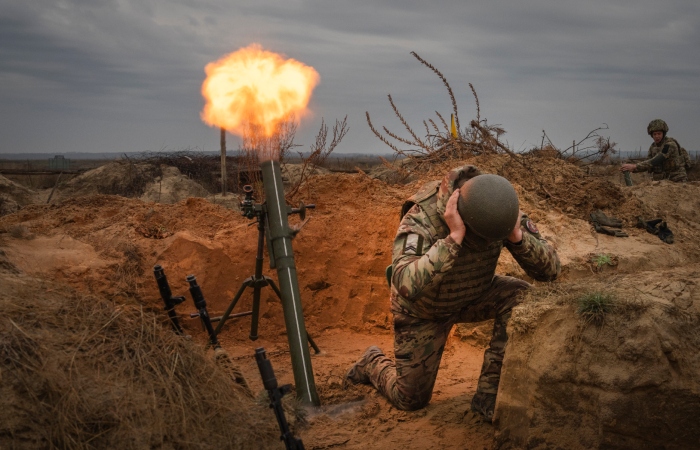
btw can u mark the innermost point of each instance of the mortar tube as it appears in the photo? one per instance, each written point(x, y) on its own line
point(280, 238)
point(628, 178)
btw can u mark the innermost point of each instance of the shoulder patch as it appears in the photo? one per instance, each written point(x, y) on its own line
point(413, 245)
point(531, 227)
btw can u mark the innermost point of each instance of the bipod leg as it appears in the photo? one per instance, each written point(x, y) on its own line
point(257, 285)
point(247, 282)
point(279, 294)
point(313, 344)
point(201, 306)
point(274, 287)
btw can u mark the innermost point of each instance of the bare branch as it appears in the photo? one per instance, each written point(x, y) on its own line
point(444, 124)
point(435, 127)
point(476, 98)
point(418, 141)
point(381, 138)
point(444, 81)
point(320, 151)
point(398, 138)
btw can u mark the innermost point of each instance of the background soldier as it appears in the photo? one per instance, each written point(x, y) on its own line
point(665, 160)
point(444, 261)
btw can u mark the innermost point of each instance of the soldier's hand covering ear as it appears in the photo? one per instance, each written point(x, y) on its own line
point(454, 220)
point(517, 234)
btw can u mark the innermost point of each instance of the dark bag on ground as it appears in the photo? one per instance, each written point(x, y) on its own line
point(657, 227)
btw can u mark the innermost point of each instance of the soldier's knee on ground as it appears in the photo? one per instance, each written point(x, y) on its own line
point(411, 404)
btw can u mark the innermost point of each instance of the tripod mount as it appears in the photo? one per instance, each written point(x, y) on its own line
point(257, 281)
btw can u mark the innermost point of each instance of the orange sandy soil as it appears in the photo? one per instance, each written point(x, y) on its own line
point(108, 245)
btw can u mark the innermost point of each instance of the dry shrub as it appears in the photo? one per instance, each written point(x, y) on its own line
point(205, 169)
point(129, 269)
point(320, 151)
point(547, 151)
point(257, 147)
point(443, 141)
point(133, 182)
point(81, 372)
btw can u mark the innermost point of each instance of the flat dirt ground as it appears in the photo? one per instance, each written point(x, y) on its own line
point(107, 246)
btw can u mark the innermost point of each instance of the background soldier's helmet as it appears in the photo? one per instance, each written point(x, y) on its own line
point(657, 125)
point(488, 205)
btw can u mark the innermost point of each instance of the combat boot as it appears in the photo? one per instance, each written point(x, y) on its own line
point(484, 404)
point(665, 234)
point(600, 217)
point(358, 371)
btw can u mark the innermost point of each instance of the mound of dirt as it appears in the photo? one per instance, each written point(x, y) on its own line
point(665, 199)
point(79, 372)
point(630, 379)
point(125, 178)
point(172, 187)
point(14, 196)
point(291, 173)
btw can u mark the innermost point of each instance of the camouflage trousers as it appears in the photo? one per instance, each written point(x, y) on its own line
point(678, 176)
point(408, 380)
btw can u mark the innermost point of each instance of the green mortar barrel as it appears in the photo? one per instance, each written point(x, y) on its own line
point(628, 178)
point(280, 240)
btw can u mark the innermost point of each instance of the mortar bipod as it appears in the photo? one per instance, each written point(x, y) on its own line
point(258, 281)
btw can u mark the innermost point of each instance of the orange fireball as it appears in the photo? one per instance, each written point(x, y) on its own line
point(253, 87)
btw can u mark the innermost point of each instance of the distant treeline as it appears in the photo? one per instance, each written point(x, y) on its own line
point(137, 155)
point(694, 154)
point(621, 155)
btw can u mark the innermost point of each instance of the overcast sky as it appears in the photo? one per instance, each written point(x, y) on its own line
point(125, 75)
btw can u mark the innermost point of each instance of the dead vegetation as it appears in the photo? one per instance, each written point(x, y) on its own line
point(134, 182)
point(256, 147)
point(202, 168)
point(444, 142)
point(79, 372)
point(320, 151)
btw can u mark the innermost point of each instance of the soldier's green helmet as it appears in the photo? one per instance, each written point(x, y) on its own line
point(488, 205)
point(657, 125)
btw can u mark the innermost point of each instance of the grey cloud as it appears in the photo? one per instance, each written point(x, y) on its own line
point(567, 65)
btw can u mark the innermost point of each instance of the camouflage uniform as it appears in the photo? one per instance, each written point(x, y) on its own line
point(673, 166)
point(437, 283)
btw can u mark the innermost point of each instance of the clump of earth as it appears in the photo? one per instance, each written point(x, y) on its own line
point(623, 380)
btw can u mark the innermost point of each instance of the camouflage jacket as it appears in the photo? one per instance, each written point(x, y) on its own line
point(673, 166)
point(433, 277)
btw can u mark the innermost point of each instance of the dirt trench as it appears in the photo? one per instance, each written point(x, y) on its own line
point(107, 245)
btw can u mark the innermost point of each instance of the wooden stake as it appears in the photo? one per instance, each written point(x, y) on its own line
point(223, 162)
point(48, 200)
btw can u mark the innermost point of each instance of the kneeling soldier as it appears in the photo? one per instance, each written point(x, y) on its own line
point(443, 272)
point(666, 158)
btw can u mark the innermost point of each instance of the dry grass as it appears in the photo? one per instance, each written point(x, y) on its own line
point(134, 180)
point(442, 139)
point(129, 270)
point(81, 372)
point(593, 307)
point(593, 303)
point(536, 302)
